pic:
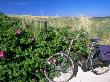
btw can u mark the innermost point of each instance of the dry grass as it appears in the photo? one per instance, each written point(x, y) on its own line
point(94, 27)
point(85, 23)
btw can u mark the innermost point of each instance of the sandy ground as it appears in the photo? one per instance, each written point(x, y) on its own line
point(90, 77)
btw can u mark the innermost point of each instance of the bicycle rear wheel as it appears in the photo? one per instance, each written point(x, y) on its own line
point(98, 67)
point(59, 68)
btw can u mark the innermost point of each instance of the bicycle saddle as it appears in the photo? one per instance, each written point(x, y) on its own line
point(94, 39)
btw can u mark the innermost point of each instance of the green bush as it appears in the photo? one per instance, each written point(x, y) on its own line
point(25, 53)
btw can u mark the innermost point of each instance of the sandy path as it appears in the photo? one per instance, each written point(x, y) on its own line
point(90, 77)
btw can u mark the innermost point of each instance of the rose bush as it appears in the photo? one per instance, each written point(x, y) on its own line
point(24, 54)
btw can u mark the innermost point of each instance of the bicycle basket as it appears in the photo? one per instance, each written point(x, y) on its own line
point(105, 52)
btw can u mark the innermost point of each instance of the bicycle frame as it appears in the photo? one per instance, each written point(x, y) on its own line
point(92, 51)
point(69, 48)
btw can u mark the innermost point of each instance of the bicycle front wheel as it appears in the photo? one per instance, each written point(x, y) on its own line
point(59, 68)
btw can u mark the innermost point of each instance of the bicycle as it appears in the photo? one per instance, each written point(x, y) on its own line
point(99, 58)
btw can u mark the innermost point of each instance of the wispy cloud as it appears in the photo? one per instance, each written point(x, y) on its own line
point(20, 3)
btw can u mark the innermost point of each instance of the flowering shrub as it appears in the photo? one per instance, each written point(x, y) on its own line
point(24, 54)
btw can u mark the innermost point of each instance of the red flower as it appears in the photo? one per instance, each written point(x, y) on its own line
point(53, 60)
point(18, 32)
point(1, 54)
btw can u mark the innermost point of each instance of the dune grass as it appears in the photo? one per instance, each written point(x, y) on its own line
point(96, 27)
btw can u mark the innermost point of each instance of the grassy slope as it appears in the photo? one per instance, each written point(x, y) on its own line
point(97, 26)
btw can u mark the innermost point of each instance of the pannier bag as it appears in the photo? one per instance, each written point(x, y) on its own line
point(104, 52)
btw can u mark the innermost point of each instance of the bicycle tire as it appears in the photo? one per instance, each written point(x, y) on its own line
point(98, 67)
point(66, 64)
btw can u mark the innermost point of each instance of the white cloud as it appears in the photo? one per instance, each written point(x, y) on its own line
point(20, 3)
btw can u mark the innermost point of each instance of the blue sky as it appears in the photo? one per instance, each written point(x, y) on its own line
point(56, 7)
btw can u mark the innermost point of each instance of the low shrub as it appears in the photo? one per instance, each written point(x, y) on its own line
point(23, 54)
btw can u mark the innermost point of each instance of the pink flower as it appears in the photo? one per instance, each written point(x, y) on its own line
point(53, 60)
point(1, 54)
point(18, 31)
